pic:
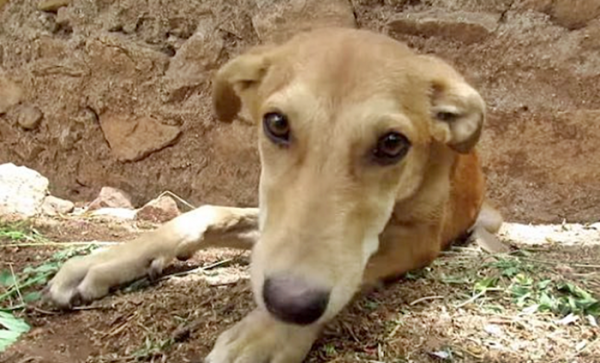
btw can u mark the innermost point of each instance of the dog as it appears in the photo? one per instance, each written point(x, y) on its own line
point(368, 170)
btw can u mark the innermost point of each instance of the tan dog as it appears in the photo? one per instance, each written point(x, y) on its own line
point(368, 171)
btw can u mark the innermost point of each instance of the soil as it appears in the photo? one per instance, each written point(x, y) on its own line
point(178, 318)
point(124, 92)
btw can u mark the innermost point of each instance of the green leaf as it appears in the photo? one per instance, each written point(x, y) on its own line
point(457, 280)
point(7, 278)
point(522, 300)
point(7, 338)
point(371, 305)
point(47, 267)
point(32, 296)
point(546, 302)
point(14, 328)
point(510, 272)
point(486, 283)
point(523, 279)
point(542, 285)
point(519, 291)
point(593, 310)
point(10, 322)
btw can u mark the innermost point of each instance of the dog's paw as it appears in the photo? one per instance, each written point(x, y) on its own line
point(64, 288)
point(84, 279)
point(258, 338)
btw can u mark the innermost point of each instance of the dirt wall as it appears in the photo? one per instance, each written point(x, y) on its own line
point(96, 93)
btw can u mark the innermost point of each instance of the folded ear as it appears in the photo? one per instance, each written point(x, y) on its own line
point(236, 82)
point(457, 109)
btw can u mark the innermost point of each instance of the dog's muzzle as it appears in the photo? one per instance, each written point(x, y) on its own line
point(294, 300)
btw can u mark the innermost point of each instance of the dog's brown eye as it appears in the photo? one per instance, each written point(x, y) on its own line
point(276, 127)
point(390, 148)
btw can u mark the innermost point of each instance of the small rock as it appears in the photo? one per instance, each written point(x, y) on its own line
point(190, 66)
point(571, 14)
point(132, 139)
point(575, 14)
point(462, 26)
point(567, 320)
point(10, 93)
point(493, 329)
point(29, 117)
point(111, 198)
point(159, 210)
point(116, 213)
point(276, 21)
point(441, 354)
point(22, 191)
point(52, 5)
point(54, 206)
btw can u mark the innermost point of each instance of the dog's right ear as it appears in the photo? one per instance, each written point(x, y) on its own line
point(237, 81)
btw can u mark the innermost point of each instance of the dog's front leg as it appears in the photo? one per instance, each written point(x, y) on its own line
point(90, 277)
point(260, 338)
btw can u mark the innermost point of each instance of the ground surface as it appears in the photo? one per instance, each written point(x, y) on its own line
point(118, 92)
point(461, 309)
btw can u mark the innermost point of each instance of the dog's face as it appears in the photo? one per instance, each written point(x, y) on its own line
point(347, 120)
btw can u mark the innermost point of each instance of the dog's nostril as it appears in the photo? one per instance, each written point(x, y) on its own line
point(294, 301)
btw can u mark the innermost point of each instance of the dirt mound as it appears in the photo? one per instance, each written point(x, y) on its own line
point(96, 93)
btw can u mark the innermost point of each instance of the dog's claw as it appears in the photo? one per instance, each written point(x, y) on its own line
point(155, 270)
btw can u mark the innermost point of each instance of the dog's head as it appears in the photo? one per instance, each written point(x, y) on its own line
point(348, 119)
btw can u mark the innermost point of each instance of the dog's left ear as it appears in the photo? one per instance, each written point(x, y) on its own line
point(457, 109)
point(237, 81)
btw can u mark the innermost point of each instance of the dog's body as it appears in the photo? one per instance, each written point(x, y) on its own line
point(368, 171)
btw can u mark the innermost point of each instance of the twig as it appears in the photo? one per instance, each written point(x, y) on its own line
point(475, 297)
point(58, 244)
point(16, 283)
point(467, 249)
point(426, 298)
point(349, 329)
point(181, 200)
point(97, 307)
point(29, 283)
point(588, 346)
point(198, 269)
point(29, 360)
point(549, 262)
point(46, 312)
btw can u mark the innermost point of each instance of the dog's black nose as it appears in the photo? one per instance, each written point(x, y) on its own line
point(294, 300)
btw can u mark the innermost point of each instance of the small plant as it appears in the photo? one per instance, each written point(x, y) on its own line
point(152, 348)
point(559, 297)
point(20, 288)
point(20, 284)
point(19, 232)
point(330, 350)
point(529, 287)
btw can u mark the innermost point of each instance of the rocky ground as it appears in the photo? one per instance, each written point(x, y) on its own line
point(116, 93)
